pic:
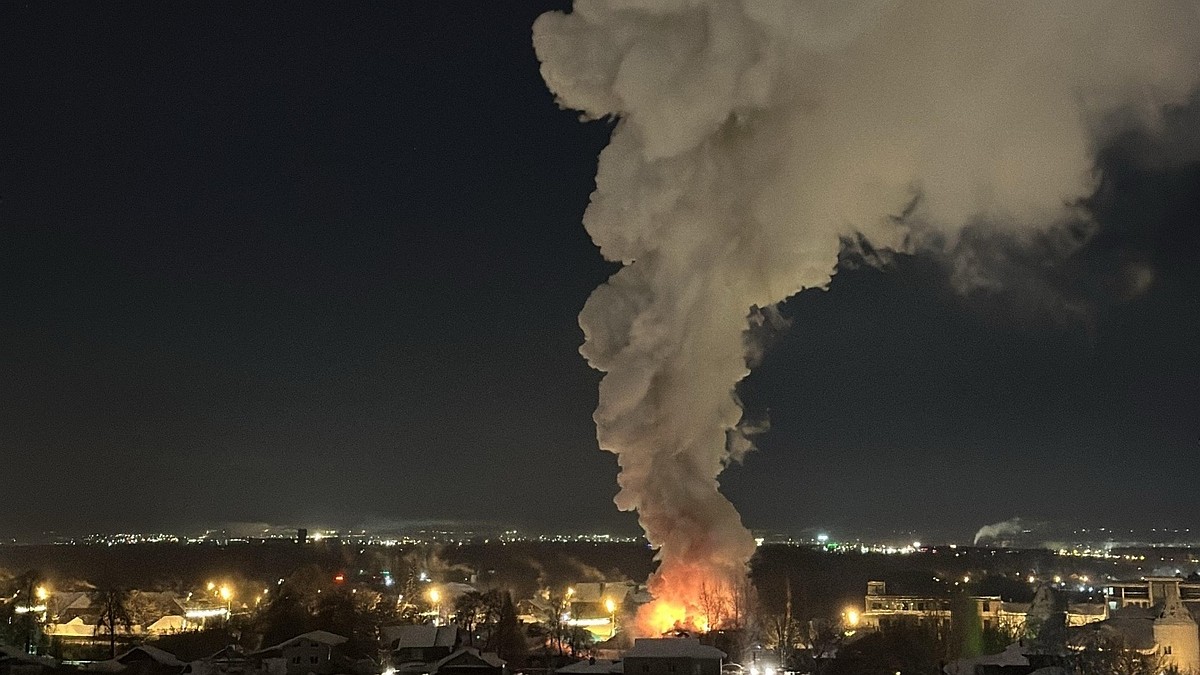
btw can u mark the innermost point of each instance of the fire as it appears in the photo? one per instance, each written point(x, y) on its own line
point(696, 601)
point(662, 616)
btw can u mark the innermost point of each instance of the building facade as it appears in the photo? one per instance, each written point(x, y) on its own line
point(882, 610)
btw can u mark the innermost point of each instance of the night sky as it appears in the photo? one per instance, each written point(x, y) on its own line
point(321, 265)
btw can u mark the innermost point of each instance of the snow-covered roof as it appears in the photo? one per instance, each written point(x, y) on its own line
point(599, 591)
point(420, 636)
point(76, 627)
point(154, 653)
point(598, 667)
point(1013, 655)
point(650, 648)
point(322, 636)
point(1133, 633)
point(169, 622)
point(467, 654)
point(227, 653)
point(10, 653)
point(139, 653)
point(453, 589)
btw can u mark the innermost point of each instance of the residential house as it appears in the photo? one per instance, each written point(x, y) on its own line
point(672, 656)
point(14, 661)
point(231, 660)
point(416, 648)
point(314, 652)
point(469, 661)
point(141, 660)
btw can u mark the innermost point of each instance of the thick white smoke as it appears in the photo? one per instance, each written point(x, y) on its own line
point(754, 134)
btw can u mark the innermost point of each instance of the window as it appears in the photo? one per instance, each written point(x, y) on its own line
point(670, 667)
point(296, 660)
point(1166, 649)
point(313, 659)
point(987, 606)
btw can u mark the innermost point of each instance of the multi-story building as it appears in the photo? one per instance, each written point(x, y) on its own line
point(1150, 591)
point(881, 610)
point(1158, 623)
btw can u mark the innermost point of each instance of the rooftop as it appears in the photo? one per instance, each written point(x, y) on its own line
point(672, 648)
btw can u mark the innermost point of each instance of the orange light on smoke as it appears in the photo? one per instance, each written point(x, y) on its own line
point(661, 616)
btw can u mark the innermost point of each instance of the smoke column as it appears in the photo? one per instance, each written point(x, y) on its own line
point(753, 135)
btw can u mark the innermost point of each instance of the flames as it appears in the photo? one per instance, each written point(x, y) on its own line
point(695, 601)
point(663, 616)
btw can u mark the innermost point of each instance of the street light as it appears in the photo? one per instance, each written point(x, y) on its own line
point(436, 598)
point(612, 616)
point(852, 618)
point(42, 593)
point(227, 595)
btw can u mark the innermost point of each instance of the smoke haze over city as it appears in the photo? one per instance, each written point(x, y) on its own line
point(322, 266)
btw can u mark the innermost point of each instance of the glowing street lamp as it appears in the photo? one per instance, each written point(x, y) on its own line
point(852, 617)
point(612, 616)
point(42, 593)
point(226, 594)
point(436, 598)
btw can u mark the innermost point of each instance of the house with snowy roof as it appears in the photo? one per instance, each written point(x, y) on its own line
point(229, 660)
point(140, 660)
point(416, 648)
point(469, 661)
point(315, 652)
point(14, 661)
point(672, 656)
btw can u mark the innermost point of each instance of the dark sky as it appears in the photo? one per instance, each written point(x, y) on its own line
point(320, 264)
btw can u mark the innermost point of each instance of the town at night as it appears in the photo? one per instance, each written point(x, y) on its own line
point(601, 337)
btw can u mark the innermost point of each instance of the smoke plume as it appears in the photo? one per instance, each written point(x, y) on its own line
point(996, 531)
point(753, 136)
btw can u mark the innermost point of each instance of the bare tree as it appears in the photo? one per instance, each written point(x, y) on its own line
point(113, 603)
point(714, 602)
point(743, 601)
point(782, 630)
point(1109, 655)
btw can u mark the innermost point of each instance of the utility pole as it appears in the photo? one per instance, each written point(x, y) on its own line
point(31, 579)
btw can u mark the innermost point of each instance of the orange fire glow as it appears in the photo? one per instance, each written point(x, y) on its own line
point(662, 616)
